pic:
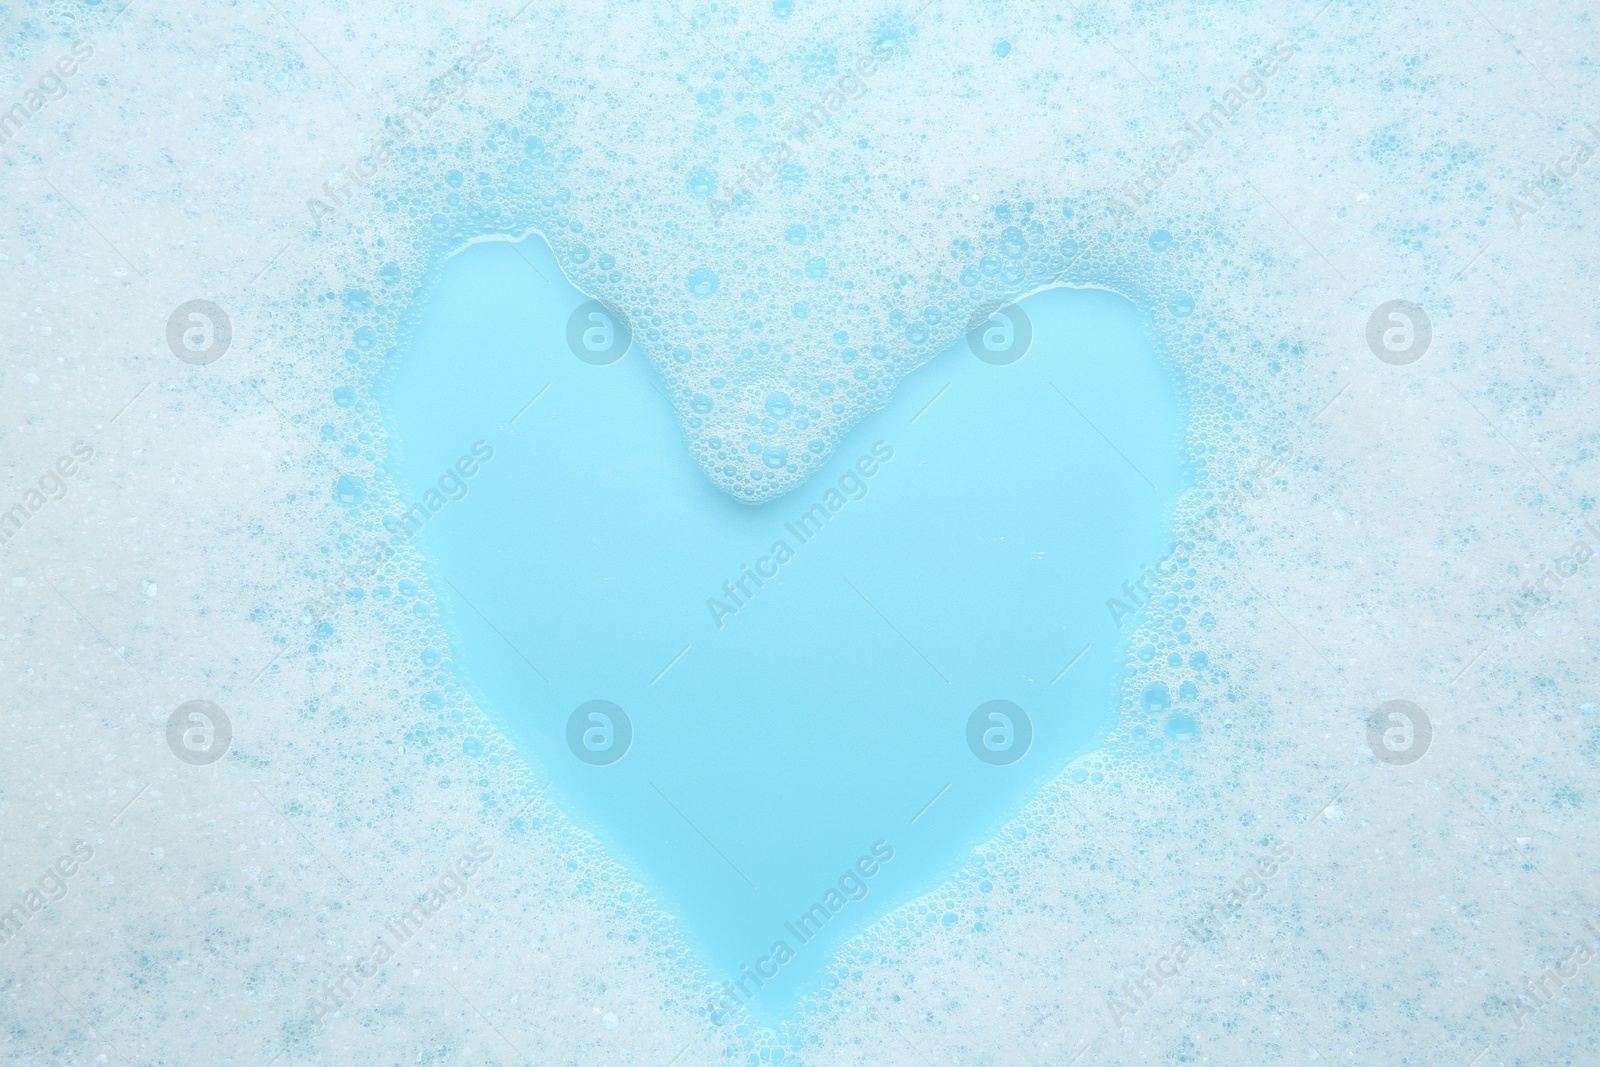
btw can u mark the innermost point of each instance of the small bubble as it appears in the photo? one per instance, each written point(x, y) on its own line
point(1012, 242)
point(350, 490)
point(702, 182)
point(703, 281)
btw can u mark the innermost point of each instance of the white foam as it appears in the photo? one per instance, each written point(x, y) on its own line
point(1377, 164)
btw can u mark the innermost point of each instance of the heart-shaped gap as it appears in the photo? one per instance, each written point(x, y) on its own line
point(785, 719)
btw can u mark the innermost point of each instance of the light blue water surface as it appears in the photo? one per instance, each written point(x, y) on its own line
point(780, 755)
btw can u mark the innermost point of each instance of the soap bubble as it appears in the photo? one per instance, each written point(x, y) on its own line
point(1012, 242)
point(703, 281)
point(350, 490)
point(702, 182)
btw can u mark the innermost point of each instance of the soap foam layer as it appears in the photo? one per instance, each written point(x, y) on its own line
point(1372, 555)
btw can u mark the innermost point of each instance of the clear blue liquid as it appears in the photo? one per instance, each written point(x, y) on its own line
point(773, 754)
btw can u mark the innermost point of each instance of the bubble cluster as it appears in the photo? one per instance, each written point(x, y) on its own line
point(775, 323)
point(798, 288)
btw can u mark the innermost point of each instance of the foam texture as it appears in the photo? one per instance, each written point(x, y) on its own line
point(1358, 530)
